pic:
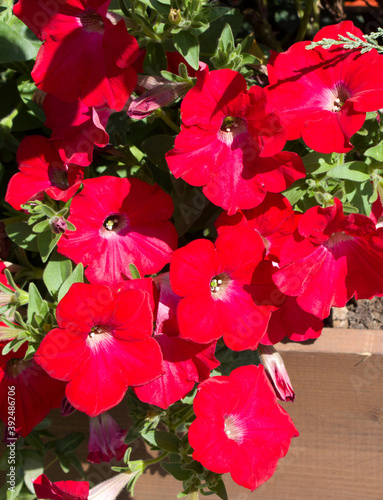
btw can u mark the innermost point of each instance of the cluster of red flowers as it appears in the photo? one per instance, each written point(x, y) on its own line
point(271, 272)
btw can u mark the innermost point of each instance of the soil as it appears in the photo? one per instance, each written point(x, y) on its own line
point(365, 314)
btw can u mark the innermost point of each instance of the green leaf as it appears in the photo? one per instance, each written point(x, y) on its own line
point(134, 272)
point(353, 171)
point(359, 194)
point(47, 242)
point(208, 40)
point(155, 147)
point(160, 7)
point(69, 443)
point(194, 466)
point(13, 345)
point(40, 227)
point(296, 191)
point(176, 471)
point(189, 203)
point(57, 270)
point(226, 39)
point(217, 12)
point(318, 163)
point(33, 465)
point(375, 152)
point(164, 440)
point(13, 45)
point(220, 490)
point(22, 234)
point(19, 480)
point(187, 45)
point(155, 59)
point(35, 301)
point(76, 277)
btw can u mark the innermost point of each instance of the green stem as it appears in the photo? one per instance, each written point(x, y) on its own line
point(164, 117)
point(156, 460)
point(50, 463)
point(304, 21)
point(124, 8)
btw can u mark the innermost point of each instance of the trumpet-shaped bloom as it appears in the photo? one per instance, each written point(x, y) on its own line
point(79, 490)
point(331, 258)
point(35, 392)
point(102, 345)
point(274, 219)
point(185, 363)
point(41, 170)
point(81, 41)
point(106, 439)
point(76, 128)
point(118, 222)
point(222, 286)
point(230, 145)
point(322, 95)
point(240, 428)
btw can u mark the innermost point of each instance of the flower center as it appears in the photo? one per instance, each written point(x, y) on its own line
point(341, 94)
point(14, 367)
point(230, 128)
point(337, 238)
point(115, 223)
point(98, 330)
point(58, 175)
point(234, 428)
point(219, 284)
point(91, 21)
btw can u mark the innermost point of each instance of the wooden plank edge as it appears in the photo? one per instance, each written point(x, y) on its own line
point(340, 341)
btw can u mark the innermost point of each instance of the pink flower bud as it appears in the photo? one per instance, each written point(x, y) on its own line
point(161, 93)
point(66, 408)
point(106, 440)
point(276, 372)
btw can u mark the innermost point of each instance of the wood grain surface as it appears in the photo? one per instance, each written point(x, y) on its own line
point(338, 411)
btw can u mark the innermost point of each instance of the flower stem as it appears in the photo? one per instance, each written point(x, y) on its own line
point(164, 117)
point(304, 21)
point(156, 460)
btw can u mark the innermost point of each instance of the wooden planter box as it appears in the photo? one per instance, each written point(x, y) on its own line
point(338, 411)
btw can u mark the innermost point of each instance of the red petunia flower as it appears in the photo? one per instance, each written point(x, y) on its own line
point(322, 95)
point(222, 288)
point(79, 490)
point(274, 219)
point(35, 392)
point(331, 258)
point(240, 428)
point(184, 362)
point(76, 128)
point(106, 439)
point(276, 372)
point(229, 143)
point(118, 222)
point(102, 346)
point(61, 490)
point(81, 41)
point(41, 170)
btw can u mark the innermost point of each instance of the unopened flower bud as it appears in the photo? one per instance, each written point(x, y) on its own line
point(276, 371)
point(162, 94)
point(175, 16)
point(58, 225)
point(66, 408)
